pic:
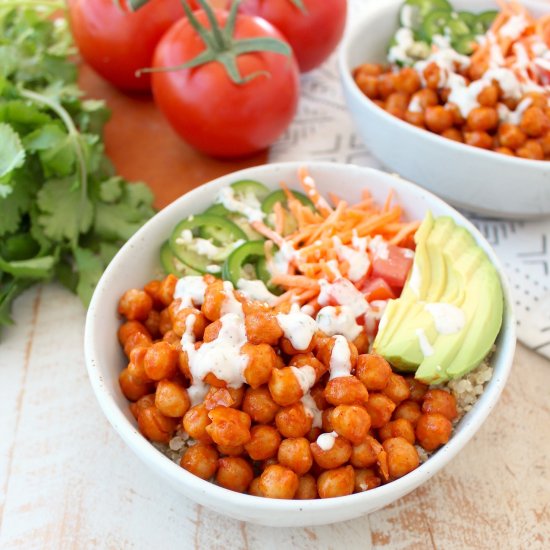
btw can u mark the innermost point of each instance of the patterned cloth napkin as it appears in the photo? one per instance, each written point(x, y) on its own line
point(323, 130)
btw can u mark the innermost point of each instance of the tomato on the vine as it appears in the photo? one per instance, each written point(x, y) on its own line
point(230, 89)
point(312, 27)
point(116, 42)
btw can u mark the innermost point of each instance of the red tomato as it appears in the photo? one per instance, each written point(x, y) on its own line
point(117, 42)
point(313, 33)
point(395, 268)
point(207, 109)
point(377, 289)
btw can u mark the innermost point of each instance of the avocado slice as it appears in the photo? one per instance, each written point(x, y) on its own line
point(450, 311)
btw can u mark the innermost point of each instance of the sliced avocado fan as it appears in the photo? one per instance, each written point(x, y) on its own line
point(450, 311)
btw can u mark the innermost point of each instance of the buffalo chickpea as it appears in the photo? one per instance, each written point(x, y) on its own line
point(351, 422)
point(165, 292)
point(152, 323)
point(181, 319)
point(133, 388)
point(418, 389)
point(453, 134)
point(307, 488)
point(278, 481)
point(293, 421)
point(254, 488)
point(534, 122)
point(325, 347)
point(259, 405)
point(386, 85)
point(488, 97)
point(346, 390)
point(230, 450)
point(361, 343)
point(505, 151)
point(373, 371)
point(380, 408)
point(142, 403)
point(407, 81)
point(397, 104)
point(440, 401)
point(438, 119)
point(371, 69)
point(173, 339)
point(129, 329)
point(425, 98)
point(195, 421)
point(294, 453)
point(171, 399)
point(433, 430)
point(398, 428)
point(136, 366)
point(264, 442)
point(152, 288)
point(432, 76)
point(161, 361)
point(478, 138)
point(214, 297)
point(234, 473)
point(368, 84)
point(416, 119)
point(482, 119)
point(261, 362)
point(401, 455)
point(366, 479)
point(366, 453)
point(545, 143)
point(318, 394)
point(336, 483)
point(137, 339)
point(511, 136)
point(155, 426)
point(397, 388)
point(218, 397)
point(531, 150)
point(309, 360)
point(201, 460)
point(165, 321)
point(408, 410)
point(326, 419)
point(285, 387)
point(228, 426)
point(135, 305)
point(262, 328)
point(458, 119)
point(337, 455)
point(286, 346)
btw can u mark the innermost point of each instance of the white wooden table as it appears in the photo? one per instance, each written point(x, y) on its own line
point(68, 481)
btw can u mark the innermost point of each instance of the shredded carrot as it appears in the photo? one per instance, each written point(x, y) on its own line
point(279, 212)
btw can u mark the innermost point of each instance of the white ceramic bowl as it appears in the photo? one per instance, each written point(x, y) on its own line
point(137, 262)
point(477, 180)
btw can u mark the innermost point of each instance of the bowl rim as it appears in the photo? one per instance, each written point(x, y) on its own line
point(165, 467)
point(349, 83)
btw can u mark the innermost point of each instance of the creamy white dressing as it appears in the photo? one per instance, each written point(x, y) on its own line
point(379, 247)
point(424, 343)
point(205, 247)
point(319, 202)
point(340, 358)
point(399, 52)
point(312, 410)
point(359, 243)
point(514, 27)
point(408, 15)
point(213, 268)
point(256, 290)
point(358, 260)
point(334, 268)
point(326, 441)
point(282, 258)
point(298, 327)
point(415, 279)
point(222, 356)
point(248, 204)
point(190, 290)
point(344, 293)
point(448, 318)
point(230, 304)
point(333, 321)
point(305, 376)
point(514, 117)
point(308, 309)
point(415, 105)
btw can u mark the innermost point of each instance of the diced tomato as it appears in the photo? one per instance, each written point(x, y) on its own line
point(395, 268)
point(377, 289)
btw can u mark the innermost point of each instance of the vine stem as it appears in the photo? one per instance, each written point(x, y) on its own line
point(73, 134)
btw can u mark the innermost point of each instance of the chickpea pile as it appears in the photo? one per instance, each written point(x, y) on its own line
point(260, 439)
point(395, 91)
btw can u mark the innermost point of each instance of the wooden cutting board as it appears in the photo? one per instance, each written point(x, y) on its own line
point(143, 146)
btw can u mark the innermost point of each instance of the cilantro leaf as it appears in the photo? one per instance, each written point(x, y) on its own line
point(12, 154)
point(65, 212)
point(90, 268)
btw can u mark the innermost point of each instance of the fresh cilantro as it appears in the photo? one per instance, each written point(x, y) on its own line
point(63, 211)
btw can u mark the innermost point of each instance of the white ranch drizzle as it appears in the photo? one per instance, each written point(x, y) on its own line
point(248, 206)
point(340, 363)
point(298, 327)
point(448, 319)
point(358, 260)
point(312, 410)
point(256, 290)
point(326, 441)
point(305, 376)
point(190, 290)
point(425, 345)
point(230, 303)
point(338, 320)
point(344, 293)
